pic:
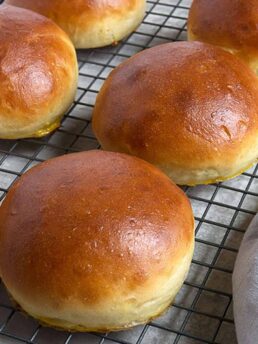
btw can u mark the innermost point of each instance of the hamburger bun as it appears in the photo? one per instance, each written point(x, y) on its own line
point(95, 241)
point(38, 74)
point(189, 108)
point(231, 25)
point(90, 23)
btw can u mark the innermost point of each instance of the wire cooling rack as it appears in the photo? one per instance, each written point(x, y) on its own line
point(202, 312)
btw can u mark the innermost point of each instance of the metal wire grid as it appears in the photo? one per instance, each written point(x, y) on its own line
point(202, 312)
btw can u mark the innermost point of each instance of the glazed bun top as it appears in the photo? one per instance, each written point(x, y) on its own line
point(81, 231)
point(38, 73)
point(231, 24)
point(188, 107)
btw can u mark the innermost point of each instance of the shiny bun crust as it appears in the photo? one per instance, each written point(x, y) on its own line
point(90, 23)
point(95, 241)
point(189, 108)
point(230, 24)
point(38, 74)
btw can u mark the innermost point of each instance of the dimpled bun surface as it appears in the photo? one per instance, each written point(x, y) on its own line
point(38, 74)
point(95, 241)
point(90, 23)
point(230, 24)
point(189, 108)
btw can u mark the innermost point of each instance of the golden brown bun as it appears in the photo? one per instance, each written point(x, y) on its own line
point(90, 23)
point(189, 108)
point(230, 24)
point(38, 73)
point(95, 241)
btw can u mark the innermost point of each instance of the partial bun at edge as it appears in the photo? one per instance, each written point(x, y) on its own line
point(231, 25)
point(90, 24)
point(38, 74)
